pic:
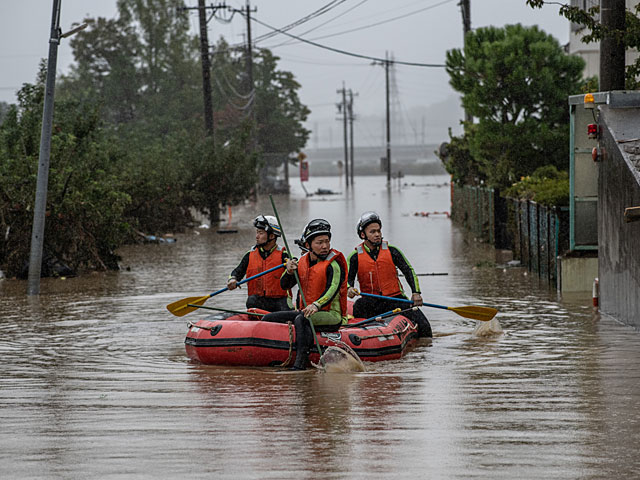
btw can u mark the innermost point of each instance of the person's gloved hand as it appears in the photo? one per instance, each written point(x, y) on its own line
point(292, 265)
point(416, 298)
point(352, 292)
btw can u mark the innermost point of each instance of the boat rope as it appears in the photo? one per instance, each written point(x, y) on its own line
point(408, 326)
point(288, 360)
point(191, 324)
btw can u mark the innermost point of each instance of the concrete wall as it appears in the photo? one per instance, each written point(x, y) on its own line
point(577, 274)
point(619, 188)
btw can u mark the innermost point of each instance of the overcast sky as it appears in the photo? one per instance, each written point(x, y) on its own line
point(418, 31)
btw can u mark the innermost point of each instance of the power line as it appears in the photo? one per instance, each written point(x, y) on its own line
point(364, 27)
point(322, 10)
point(289, 42)
point(344, 52)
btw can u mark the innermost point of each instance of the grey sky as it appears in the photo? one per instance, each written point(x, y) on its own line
point(425, 31)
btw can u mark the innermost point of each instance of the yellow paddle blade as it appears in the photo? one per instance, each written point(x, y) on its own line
point(181, 307)
point(484, 314)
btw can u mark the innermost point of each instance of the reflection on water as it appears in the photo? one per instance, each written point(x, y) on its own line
point(94, 379)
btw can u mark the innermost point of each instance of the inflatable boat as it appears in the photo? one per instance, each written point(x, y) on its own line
point(244, 340)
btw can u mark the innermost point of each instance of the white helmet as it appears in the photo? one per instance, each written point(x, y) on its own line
point(268, 223)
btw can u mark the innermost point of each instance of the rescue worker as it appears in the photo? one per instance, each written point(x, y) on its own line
point(264, 292)
point(375, 264)
point(323, 279)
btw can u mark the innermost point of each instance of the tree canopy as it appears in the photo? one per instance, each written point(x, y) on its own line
point(129, 149)
point(515, 81)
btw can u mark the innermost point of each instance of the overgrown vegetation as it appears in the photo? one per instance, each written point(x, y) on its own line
point(547, 186)
point(515, 82)
point(129, 151)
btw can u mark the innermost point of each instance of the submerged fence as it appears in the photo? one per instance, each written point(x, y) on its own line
point(536, 234)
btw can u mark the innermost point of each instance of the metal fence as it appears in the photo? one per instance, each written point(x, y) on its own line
point(473, 208)
point(536, 234)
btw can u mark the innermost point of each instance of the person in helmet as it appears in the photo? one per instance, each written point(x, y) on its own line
point(322, 271)
point(375, 264)
point(264, 292)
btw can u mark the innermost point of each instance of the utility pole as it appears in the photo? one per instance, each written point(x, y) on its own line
point(249, 49)
point(37, 232)
point(351, 118)
point(206, 60)
point(40, 205)
point(342, 108)
point(465, 7)
point(206, 69)
point(387, 159)
point(612, 49)
point(386, 76)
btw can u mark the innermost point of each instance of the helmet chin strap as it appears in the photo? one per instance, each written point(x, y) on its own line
point(320, 256)
point(375, 244)
point(264, 244)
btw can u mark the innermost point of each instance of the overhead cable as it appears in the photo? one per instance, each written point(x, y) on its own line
point(364, 27)
point(344, 52)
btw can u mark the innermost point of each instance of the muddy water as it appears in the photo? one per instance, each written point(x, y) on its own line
point(94, 380)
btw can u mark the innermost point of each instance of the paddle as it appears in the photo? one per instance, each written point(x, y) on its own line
point(227, 310)
point(484, 314)
point(188, 305)
point(375, 318)
point(295, 272)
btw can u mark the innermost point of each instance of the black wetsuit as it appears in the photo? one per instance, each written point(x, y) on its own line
point(257, 301)
point(366, 307)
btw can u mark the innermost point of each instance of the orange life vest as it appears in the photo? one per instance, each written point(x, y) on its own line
point(267, 285)
point(313, 279)
point(379, 276)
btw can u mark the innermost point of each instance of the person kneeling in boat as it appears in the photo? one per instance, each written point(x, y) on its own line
point(375, 263)
point(323, 280)
point(264, 292)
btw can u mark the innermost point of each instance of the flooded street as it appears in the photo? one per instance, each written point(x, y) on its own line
point(95, 382)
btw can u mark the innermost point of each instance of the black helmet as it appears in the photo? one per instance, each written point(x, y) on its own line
point(267, 223)
point(314, 228)
point(366, 219)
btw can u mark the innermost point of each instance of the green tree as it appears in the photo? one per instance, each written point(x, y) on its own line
point(279, 111)
point(515, 80)
point(84, 214)
point(4, 109)
point(589, 18)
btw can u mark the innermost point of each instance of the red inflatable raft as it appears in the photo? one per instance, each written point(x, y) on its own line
point(244, 340)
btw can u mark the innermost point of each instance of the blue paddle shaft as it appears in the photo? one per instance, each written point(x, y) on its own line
point(405, 300)
point(247, 280)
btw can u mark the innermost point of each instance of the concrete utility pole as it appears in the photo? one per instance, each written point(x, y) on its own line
point(386, 76)
point(206, 68)
point(465, 7)
point(612, 49)
point(342, 108)
point(40, 206)
point(249, 51)
point(351, 118)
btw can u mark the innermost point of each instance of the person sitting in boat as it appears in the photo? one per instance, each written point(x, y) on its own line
point(264, 292)
point(322, 271)
point(375, 264)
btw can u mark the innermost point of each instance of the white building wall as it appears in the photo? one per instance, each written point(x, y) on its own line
point(590, 52)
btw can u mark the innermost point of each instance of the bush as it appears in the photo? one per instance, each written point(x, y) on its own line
point(547, 186)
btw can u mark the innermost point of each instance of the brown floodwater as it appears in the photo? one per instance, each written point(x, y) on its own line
point(94, 380)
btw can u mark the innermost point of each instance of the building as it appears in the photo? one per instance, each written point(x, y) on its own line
point(590, 52)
